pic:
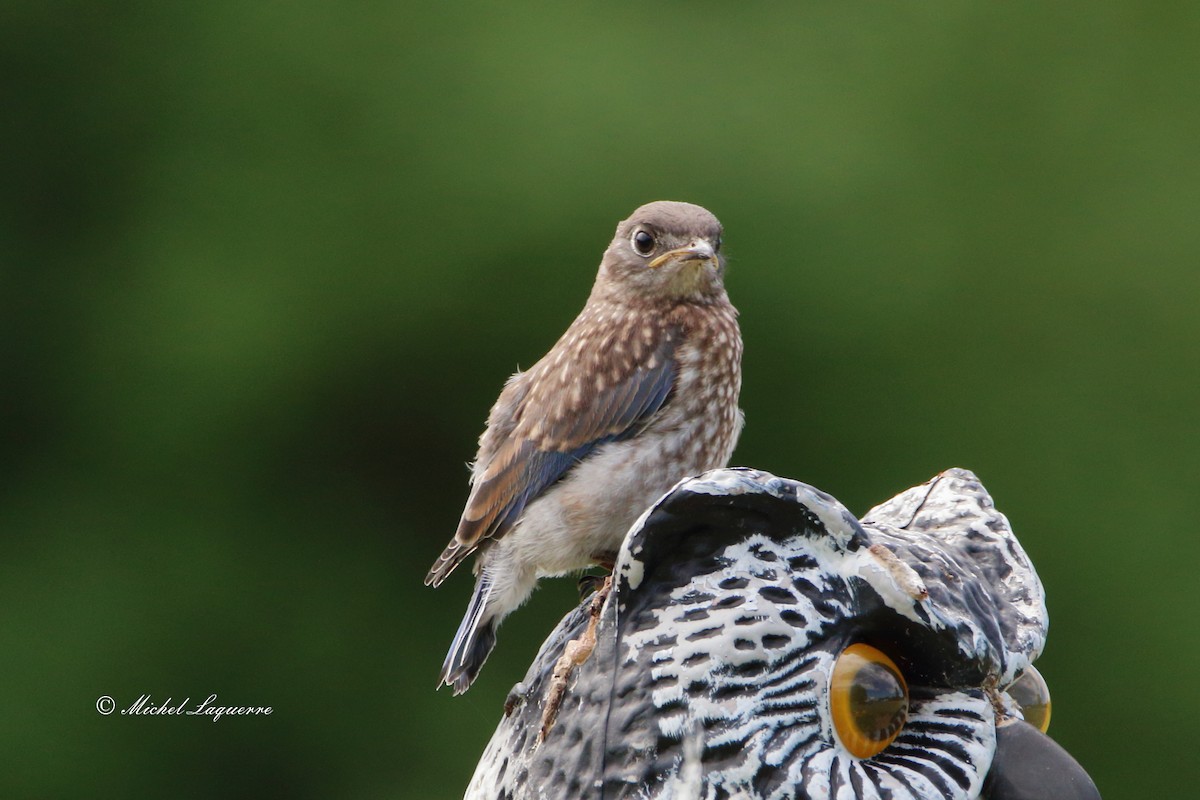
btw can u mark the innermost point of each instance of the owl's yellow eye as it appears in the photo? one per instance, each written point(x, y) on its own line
point(1032, 694)
point(868, 700)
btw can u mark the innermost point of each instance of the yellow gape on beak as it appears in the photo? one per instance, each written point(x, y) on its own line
point(699, 250)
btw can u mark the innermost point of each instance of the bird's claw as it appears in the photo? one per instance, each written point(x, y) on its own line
point(590, 583)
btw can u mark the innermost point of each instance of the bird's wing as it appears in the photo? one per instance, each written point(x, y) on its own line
point(600, 385)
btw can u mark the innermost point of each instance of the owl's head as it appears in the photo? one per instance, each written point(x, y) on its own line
point(759, 641)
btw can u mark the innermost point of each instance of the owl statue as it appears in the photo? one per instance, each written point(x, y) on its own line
point(758, 641)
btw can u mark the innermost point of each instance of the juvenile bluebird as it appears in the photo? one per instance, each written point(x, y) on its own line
point(640, 392)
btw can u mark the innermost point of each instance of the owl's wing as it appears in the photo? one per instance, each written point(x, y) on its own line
point(549, 419)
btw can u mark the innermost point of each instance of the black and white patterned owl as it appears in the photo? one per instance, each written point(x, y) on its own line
point(760, 642)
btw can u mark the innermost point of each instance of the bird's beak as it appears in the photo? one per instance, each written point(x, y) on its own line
point(699, 250)
point(1029, 765)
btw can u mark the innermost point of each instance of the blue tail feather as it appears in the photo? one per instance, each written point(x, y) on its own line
point(472, 643)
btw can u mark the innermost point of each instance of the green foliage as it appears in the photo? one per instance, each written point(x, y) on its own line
point(265, 267)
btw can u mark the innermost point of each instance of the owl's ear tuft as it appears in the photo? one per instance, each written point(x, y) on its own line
point(689, 528)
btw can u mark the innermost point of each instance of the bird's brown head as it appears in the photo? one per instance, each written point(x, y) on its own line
point(664, 251)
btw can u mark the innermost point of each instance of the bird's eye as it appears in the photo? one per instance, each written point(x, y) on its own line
point(868, 700)
point(1032, 694)
point(643, 242)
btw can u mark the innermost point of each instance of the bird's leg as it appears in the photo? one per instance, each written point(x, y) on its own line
point(574, 654)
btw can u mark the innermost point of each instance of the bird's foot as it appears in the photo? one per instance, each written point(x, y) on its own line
point(574, 654)
point(590, 583)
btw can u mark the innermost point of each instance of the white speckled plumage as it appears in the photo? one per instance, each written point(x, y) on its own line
point(639, 392)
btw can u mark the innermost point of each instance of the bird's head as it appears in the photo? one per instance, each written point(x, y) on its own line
point(664, 251)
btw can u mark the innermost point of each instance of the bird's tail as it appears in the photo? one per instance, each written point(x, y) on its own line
point(472, 644)
point(450, 558)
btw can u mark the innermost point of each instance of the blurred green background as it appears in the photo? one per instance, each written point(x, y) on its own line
point(265, 266)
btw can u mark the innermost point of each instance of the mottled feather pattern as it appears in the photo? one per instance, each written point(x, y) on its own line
point(559, 415)
point(621, 367)
point(640, 391)
point(549, 417)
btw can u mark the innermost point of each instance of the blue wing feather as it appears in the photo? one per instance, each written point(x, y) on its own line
point(523, 469)
point(619, 414)
point(629, 406)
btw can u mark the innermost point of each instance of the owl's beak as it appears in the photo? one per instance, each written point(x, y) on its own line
point(1029, 765)
point(699, 250)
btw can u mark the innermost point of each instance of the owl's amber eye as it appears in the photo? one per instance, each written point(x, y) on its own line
point(868, 700)
point(1032, 694)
